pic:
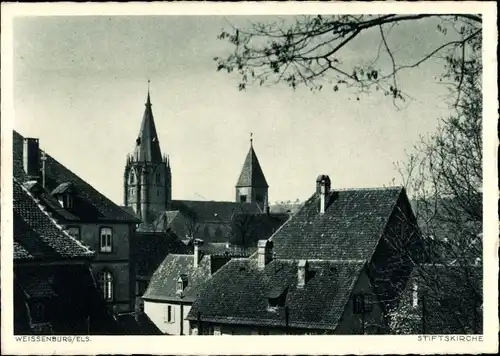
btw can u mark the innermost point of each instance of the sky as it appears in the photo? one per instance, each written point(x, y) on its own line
point(80, 84)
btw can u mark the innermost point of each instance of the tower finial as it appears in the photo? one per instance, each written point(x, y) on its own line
point(148, 102)
point(251, 139)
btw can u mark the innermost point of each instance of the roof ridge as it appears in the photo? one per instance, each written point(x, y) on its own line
point(87, 186)
point(396, 187)
point(52, 220)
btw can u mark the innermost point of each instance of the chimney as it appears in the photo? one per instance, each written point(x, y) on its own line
point(31, 158)
point(301, 273)
point(264, 252)
point(323, 189)
point(197, 253)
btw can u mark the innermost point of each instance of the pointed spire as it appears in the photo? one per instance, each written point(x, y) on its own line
point(148, 101)
point(147, 147)
point(251, 174)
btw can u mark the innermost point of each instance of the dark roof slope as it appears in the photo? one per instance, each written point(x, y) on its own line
point(147, 148)
point(150, 249)
point(247, 229)
point(213, 211)
point(137, 324)
point(251, 173)
point(239, 293)
point(350, 228)
point(164, 281)
point(37, 235)
point(90, 205)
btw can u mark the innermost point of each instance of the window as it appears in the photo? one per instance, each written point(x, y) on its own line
point(106, 283)
point(132, 192)
point(358, 304)
point(180, 286)
point(368, 303)
point(106, 240)
point(169, 315)
point(66, 201)
point(243, 198)
point(131, 179)
point(75, 232)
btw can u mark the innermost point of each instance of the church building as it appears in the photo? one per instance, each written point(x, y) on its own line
point(171, 226)
point(148, 191)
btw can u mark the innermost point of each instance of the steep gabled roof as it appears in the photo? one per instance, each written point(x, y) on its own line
point(90, 205)
point(147, 145)
point(251, 174)
point(163, 284)
point(150, 249)
point(37, 236)
point(350, 228)
point(239, 293)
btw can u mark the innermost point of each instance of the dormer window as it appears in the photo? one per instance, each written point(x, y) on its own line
point(276, 298)
point(64, 194)
point(66, 201)
point(182, 282)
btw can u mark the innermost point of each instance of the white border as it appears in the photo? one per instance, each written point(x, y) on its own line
point(242, 345)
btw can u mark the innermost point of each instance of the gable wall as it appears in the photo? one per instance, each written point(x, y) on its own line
point(369, 323)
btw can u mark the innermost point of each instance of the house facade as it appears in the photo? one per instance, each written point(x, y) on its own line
point(335, 267)
point(174, 286)
point(54, 288)
point(90, 217)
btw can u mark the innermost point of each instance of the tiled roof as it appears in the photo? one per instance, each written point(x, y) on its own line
point(137, 324)
point(350, 228)
point(225, 249)
point(37, 235)
point(147, 148)
point(89, 204)
point(247, 229)
point(49, 201)
point(164, 281)
point(214, 211)
point(38, 287)
point(150, 249)
point(239, 293)
point(251, 174)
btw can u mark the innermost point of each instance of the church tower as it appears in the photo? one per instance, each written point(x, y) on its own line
point(147, 177)
point(252, 185)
